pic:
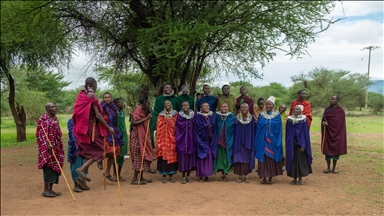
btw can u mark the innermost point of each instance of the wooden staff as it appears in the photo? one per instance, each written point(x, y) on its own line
point(117, 171)
point(142, 156)
point(105, 166)
point(58, 163)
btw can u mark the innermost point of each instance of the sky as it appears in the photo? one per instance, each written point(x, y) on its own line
point(340, 47)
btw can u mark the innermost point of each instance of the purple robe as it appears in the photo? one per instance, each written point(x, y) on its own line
point(300, 130)
point(244, 143)
point(206, 138)
point(185, 143)
point(335, 133)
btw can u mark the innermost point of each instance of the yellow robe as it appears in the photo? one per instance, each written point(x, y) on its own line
point(230, 100)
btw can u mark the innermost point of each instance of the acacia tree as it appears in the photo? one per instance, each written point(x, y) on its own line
point(127, 84)
point(31, 36)
point(172, 41)
point(322, 83)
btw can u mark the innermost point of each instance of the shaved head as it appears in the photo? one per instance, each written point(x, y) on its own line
point(90, 81)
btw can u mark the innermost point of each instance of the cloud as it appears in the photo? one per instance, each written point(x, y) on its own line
point(356, 8)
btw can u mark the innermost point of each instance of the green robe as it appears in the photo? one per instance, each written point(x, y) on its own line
point(230, 100)
point(184, 97)
point(123, 128)
point(159, 106)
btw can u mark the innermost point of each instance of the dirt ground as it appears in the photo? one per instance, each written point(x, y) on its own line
point(356, 190)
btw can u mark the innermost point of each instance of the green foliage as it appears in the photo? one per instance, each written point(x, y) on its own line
point(322, 83)
point(173, 41)
point(127, 85)
point(376, 102)
point(32, 35)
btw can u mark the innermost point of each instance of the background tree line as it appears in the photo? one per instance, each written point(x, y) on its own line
point(156, 42)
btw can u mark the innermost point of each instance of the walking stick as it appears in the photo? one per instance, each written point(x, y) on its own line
point(117, 171)
point(58, 163)
point(142, 156)
point(105, 167)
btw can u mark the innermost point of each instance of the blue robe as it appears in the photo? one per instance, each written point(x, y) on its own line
point(300, 130)
point(269, 137)
point(210, 99)
point(229, 132)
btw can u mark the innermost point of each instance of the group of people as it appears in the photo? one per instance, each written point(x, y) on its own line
point(214, 135)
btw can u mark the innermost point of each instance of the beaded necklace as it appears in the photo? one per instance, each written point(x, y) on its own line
point(242, 121)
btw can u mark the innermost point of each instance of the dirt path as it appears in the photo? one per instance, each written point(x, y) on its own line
point(357, 189)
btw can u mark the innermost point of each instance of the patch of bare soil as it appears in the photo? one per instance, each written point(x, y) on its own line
point(355, 190)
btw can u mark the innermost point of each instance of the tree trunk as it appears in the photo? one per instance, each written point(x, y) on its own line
point(18, 111)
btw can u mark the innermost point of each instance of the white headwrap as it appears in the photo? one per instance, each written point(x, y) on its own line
point(272, 99)
point(301, 107)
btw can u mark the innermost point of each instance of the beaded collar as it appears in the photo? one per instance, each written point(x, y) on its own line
point(189, 116)
point(297, 119)
point(265, 115)
point(168, 114)
point(224, 114)
point(168, 95)
point(205, 114)
point(242, 121)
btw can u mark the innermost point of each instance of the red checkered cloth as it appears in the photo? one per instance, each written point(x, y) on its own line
point(137, 139)
point(165, 137)
point(45, 156)
point(81, 111)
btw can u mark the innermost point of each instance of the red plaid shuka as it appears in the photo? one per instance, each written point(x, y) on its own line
point(165, 136)
point(138, 136)
point(45, 156)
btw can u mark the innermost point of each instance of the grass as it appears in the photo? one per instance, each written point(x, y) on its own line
point(8, 131)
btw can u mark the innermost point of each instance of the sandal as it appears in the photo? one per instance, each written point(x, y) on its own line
point(225, 178)
point(264, 181)
point(299, 183)
point(247, 180)
point(121, 179)
point(110, 178)
point(100, 165)
point(201, 180)
point(207, 179)
point(48, 194)
point(222, 178)
point(294, 182)
point(239, 180)
point(172, 180)
point(55, 193)
point(164, 180)
point(270, 181)
point(335, 171)
point(188, 179)
point(147, 180)
point(82, 184)
point(77, 189)
point(82, 174)
point(135, 182)
point(327, 171)
point(151, 171)
point(183, 181)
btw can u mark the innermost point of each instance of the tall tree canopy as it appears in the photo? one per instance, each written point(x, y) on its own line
point(322, 83)
point(172, 41)
point(31, 36)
